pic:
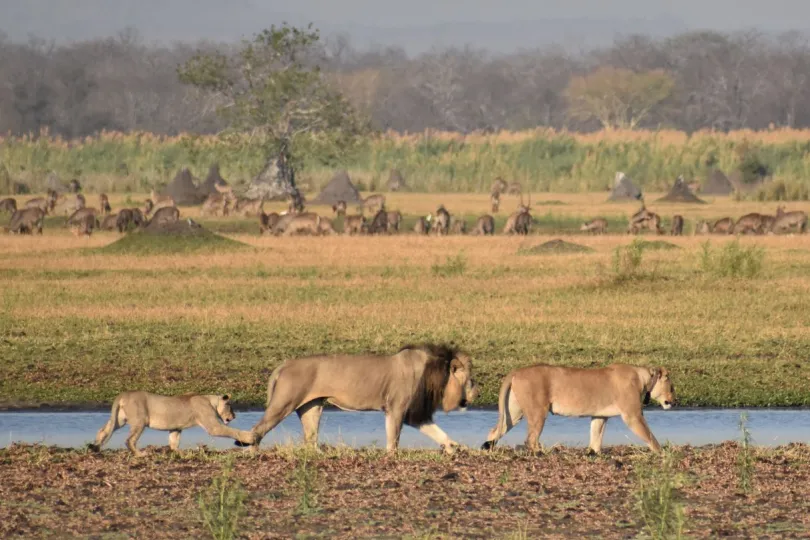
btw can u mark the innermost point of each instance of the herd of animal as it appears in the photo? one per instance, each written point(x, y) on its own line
point(159, 208)
point(753, 223)
point(408, 386)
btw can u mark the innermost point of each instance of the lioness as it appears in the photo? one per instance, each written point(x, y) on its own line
point(409, 386)
point(615, 390)
point(595, 226)
point(169, 413)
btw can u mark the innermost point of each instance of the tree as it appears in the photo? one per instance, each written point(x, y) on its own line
point(273, 87)
point(618, 98)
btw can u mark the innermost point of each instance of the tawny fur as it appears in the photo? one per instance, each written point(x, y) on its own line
point(601, 393)
point(408, 386)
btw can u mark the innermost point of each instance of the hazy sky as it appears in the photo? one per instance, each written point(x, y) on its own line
point(415, 24)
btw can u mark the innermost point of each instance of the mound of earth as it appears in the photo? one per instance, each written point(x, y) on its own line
point(339, 188)
point(182, 236)
point(624, 189)
point(183, 189)
point(214, 178)
point(557, 246)
point(717, 184)
point(681, 193)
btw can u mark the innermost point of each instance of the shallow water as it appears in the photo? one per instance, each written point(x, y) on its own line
point(696, 427)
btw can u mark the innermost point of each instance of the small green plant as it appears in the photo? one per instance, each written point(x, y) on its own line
point(745, 459)
point(305, 478)
point(627, 260)
point(732, 260)
point(222, 504)
point(656, 497)
point(454, 265)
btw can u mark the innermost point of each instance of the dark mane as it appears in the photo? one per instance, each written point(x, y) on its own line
point(430, 390)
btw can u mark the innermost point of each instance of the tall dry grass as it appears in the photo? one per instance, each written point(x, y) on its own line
point(543, 160)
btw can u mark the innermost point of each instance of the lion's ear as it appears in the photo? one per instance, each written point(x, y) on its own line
point(455, 365)
point(226, 397)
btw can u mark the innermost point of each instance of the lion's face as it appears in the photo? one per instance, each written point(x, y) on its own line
point(224, 409)
point(461, 388)
point(664, 391)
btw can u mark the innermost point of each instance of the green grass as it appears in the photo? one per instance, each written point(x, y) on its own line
point(142, 243)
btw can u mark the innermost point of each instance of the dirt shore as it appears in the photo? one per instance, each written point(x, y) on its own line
point(343, 493)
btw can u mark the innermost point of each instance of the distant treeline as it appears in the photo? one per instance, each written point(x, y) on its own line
point(715, 81)
point(542, 160)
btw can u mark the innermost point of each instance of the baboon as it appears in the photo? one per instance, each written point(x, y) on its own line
point(723, 226)
point(514, 189)
point(422, 226)
point(268, 221)
point(495, 199)
point(74, 186)
point(104, 204)
point(25, 221)
point(373, 202)
point(339, 209)
point(498, 186)
point(297, 201)
point(8, 205)
point(109, 223)
point(379, 224)
point(786, 221)
point(595, 226)
point(83, 224)
point(129, 217)
point(677, 226)
point(749, 223)
point(164, 216)
point(354, 224)
point(458, 226)
point(442, 224)
point(485, 225)
point(394, 219)
point(249, 207)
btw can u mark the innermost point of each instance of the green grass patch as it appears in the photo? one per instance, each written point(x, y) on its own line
point(143, 243)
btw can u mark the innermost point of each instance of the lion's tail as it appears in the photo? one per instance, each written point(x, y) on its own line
point(106, 431)
point(500, 428)
point(271, 384)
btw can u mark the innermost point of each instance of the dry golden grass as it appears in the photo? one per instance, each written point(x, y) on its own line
point(99, 322)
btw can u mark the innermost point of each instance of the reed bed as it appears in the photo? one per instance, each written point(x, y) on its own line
point(543, 160)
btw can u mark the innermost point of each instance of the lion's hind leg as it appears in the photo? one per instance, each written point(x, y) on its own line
point(310, 416)
point(507, 419)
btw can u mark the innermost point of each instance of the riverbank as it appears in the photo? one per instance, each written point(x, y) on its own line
point(343, 493)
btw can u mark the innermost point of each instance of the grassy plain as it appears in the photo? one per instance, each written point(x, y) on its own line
point(79, 324)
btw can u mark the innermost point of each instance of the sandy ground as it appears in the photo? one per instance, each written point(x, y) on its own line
point(563, 493)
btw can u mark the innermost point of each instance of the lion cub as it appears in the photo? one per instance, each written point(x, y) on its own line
point(169, 413)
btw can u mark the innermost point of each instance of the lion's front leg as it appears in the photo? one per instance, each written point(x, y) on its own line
point(393, 428)
point(439, 436)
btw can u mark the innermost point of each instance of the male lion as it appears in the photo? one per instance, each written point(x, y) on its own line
point(169, 413)
point(615, 390)
point(408, 386)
